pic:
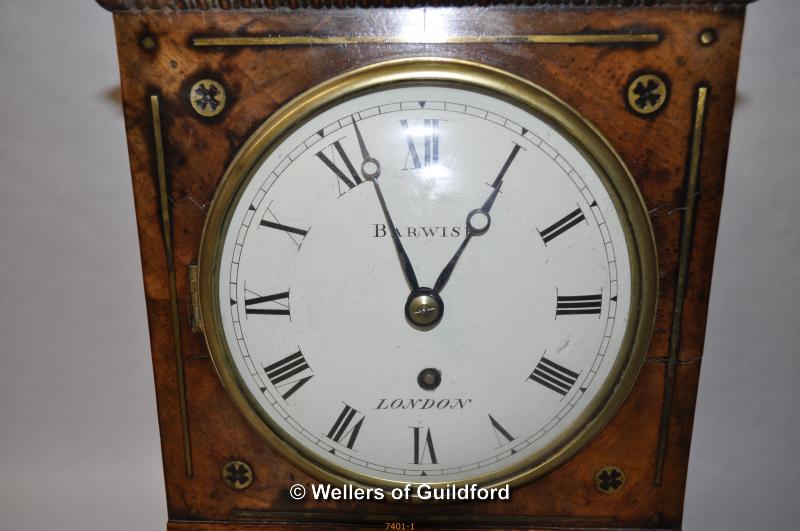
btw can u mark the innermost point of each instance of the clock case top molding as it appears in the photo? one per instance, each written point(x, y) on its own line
point(589, 57)
point(226, 5)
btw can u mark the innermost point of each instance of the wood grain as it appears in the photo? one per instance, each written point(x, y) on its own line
point(591, 78)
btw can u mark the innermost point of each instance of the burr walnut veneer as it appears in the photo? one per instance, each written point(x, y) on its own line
point(656, 78)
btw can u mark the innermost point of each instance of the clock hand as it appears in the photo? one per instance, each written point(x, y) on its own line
point(444, 276)
point(371, 170)
point(478, 222)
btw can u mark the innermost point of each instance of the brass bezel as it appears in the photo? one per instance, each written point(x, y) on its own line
point(588, 140)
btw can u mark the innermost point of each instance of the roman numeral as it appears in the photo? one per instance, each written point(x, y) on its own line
point(553, 376)
point(282, 373)
point(257, 300)
point(562, 225)
point(285, 228)
point(500, 431)
point(291, 232)
point(329, 162)
point(341, 428)
point(423, 445)
point(431, 143)
point(579, 304)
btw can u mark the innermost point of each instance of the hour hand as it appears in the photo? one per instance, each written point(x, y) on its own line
point(370, 167)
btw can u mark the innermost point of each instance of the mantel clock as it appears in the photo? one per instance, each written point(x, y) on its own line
point(427, 243)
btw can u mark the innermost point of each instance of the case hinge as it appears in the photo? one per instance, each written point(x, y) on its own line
point(194, 296)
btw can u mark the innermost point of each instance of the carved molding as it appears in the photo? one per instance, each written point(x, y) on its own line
point(233, 5)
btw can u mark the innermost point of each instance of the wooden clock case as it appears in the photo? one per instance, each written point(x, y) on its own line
point(671, 127)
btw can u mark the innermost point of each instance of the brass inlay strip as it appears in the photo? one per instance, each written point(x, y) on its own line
point(333, 40)
point(166, 228)
point(687, 230)
point(194, 292)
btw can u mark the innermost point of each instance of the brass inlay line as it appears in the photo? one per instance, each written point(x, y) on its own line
point(333, 40)
point(166, 228)
point(194, 295)
point(687, 230)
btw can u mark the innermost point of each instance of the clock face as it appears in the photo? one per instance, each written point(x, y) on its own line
point(425, 282)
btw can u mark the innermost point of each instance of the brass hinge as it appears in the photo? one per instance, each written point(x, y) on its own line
point(194, 296)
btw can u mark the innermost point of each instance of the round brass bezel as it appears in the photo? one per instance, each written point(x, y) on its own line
point(420, 71)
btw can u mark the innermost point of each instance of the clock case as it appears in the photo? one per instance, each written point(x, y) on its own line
point(671, 128)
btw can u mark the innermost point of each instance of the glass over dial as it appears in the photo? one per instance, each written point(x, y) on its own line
point(426, 282)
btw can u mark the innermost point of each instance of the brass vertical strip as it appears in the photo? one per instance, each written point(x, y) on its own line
point(341, 40)
point(194, 293)
point(687, 230)
point(166, 228)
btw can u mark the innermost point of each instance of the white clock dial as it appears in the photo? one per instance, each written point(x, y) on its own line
point(519, 336)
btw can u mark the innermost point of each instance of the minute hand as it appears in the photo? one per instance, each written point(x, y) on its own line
point(472, 230)
point(371, 170)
